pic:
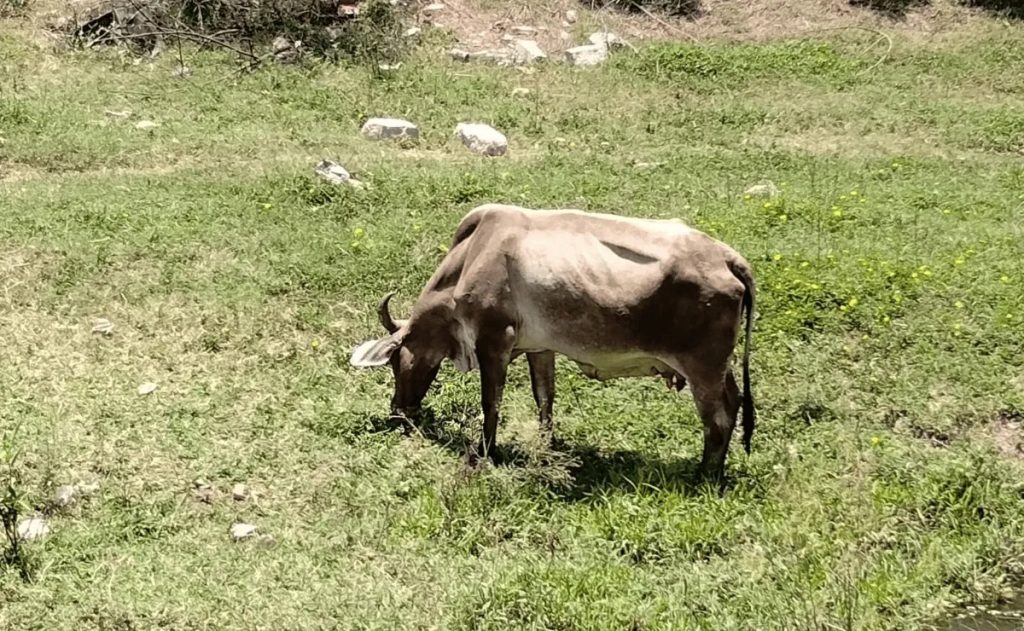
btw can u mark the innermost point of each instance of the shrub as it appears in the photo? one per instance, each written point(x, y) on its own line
point(893, 8)
point(13, 8)
point(325, 27)
point(672, 7)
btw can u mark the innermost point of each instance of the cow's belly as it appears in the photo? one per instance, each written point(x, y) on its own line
point(610, 366)
point(609, 358)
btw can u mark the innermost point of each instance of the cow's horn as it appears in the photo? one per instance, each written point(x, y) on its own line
point(384, 313)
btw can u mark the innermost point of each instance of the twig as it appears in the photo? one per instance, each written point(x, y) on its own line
point(112, 37)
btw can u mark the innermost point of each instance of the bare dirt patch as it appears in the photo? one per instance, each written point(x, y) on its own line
point(484, 24)
point(1006, 434)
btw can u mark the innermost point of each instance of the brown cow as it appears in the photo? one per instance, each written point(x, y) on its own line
point(621, 297)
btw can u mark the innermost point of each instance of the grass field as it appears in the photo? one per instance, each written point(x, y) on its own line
point(886, 485)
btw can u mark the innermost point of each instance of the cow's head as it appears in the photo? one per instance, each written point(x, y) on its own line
point(413, 348)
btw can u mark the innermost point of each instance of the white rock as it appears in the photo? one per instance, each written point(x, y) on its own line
point(102, 326)
point(240, 492)
point(33, 527)
point(571, 16)
point(434, 8)
point(280, 44)
point(521, 92)
point(118, 113)
point(482, 139)
point(611, 41)
point(524, 31)
point(414, 31)
point(458, 54)
point(332, 172)
point(389, 67)
point(146, 125)
point(285, 51)
point(336, 174)
point(147, 388)
point(765, 189)
point(383, 128)
point(65, 496)
point(588, 55)
point(241, 531)
point(528, 52)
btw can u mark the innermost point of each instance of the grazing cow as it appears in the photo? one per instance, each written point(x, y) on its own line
point(621, 297)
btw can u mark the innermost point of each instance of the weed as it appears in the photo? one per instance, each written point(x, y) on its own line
point(13, 506)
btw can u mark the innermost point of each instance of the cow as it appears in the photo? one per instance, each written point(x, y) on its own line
point(619, 296)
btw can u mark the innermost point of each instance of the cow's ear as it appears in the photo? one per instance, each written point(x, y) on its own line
point(375, 352)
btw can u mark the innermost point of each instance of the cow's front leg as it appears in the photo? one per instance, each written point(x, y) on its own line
point(494, 357)
point(542, 379)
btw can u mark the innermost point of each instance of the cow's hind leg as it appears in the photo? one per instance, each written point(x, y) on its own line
point(717, 397)
point(542, 379)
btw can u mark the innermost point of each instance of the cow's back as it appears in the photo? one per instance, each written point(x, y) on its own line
point(586, 284)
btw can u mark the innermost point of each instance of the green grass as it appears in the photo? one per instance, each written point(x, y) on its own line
point(888, 361)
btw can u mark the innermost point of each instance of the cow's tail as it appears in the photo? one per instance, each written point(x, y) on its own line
point(742, 271)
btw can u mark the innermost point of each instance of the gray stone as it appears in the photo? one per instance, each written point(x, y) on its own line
point(240, 492)
point(147, 388)
point(765, 189)
point(388, 128)
point(436, 7)
point(524, 31)
point(521, 92)
point(335, 173)
point(280, 44)
point(285, 51)
point(499, 57)
point(146, 125)
point(587, 55)
point(611, 41)
point(412, 32)
point(65, 496)
point(528, 52)
point(571, 16)
point(482, 139)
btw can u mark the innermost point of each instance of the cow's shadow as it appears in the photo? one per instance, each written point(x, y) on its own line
point(571, 470)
